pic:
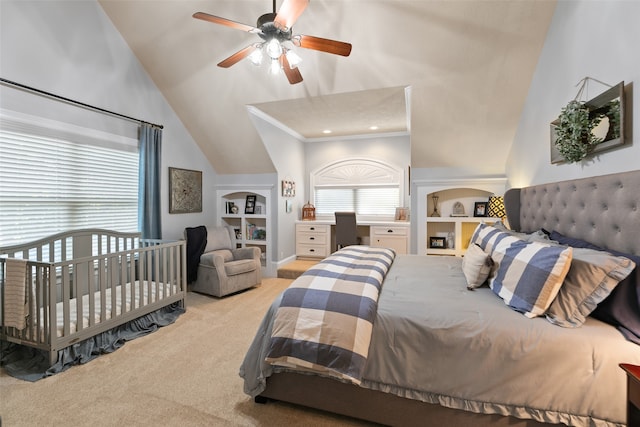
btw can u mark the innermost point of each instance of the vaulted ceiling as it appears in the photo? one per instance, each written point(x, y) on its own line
point(467, 66)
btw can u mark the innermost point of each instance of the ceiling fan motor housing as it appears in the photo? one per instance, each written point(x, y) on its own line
point(269, 29)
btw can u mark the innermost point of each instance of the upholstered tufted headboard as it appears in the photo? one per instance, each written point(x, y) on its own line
point(603, 210)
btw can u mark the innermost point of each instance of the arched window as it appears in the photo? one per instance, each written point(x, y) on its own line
point(370, 188)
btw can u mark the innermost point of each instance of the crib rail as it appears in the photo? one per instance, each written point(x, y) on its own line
point(72, 300)
point(73, 244)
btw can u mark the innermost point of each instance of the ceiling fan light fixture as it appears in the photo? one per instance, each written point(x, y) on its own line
point(274, 67)
point(293, 58)
point(256, 56)
point(274, 49)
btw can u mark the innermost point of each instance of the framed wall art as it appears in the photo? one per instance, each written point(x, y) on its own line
point(575, 137)
point(185, 191)
point(288, 188)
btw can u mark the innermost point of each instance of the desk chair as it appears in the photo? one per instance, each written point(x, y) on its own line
point(346, 229)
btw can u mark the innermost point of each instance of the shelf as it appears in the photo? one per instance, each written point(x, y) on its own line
point(461, 227)
point(241, 222)
point(255, 242)
point(435, 251)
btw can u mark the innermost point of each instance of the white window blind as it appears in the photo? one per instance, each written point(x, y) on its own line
point(372, 200)
point(56, 178)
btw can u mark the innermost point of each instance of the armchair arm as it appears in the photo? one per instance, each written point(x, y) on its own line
point(251, 252)
point(218, 263)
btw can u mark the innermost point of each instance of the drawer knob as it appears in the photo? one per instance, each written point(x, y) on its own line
point(312, 228)
point(389, 231)
point(312, 238)
point(312, 250)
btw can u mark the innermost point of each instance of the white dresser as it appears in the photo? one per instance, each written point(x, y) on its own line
point(313, 240)
point(391, 236)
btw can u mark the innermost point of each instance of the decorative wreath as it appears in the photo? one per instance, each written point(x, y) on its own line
point(574, 137)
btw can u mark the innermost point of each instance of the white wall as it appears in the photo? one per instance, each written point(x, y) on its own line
point(287, 155)
point(71, 48)
point(598, 39)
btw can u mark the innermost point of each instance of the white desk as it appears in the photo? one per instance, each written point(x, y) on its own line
point(316, 239)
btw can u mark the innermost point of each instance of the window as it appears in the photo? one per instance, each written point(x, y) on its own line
point(368, 187)
point(362, 201)
point(56, 177)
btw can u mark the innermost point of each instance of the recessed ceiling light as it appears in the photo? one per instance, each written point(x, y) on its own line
point(326, 131)
point(373, 127)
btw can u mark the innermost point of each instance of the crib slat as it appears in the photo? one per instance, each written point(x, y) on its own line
point(121, 280)
point(66, 299)
point(51, 292)
point(91, 289)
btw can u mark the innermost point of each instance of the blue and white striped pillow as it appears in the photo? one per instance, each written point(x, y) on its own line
point(528, 275)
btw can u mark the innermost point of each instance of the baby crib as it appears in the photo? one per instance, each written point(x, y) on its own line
point(66, 288)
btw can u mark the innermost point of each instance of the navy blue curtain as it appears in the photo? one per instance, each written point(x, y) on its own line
point(149, 212)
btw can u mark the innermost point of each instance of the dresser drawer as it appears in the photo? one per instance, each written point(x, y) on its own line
point(313, 238)
point(319, 251)
point(313, 228)
point(389, 231)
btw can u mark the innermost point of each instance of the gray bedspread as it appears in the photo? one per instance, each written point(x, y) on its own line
point(435, 341)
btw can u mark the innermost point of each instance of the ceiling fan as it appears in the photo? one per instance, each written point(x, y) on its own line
point(275, 31)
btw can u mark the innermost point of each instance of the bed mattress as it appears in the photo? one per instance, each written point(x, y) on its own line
point(143, 294)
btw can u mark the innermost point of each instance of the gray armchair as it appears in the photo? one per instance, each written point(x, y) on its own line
point(225, 269)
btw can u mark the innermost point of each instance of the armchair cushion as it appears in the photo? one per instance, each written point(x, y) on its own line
point(240, 266)
point(218, 238)
point(223, 256)
point(246, 253)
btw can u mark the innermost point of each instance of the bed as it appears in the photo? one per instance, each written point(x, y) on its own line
point(72, 287)
point(441, 353)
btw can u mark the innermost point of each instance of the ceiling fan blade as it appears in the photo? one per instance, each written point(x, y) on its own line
point(289, 12)
point(324, 45)
point(226, 22)
point(237, 57)
point(293, 74)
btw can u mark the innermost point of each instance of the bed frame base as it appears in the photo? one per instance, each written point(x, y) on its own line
point(376, 406)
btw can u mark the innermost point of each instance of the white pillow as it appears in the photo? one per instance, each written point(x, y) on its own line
point(476, 266)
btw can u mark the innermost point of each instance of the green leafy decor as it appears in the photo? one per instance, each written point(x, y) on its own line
point(575, 139)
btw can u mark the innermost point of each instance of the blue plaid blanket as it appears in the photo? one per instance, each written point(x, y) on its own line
point(325, 319)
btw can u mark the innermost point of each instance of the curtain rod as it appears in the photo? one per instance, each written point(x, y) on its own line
point(82, 104)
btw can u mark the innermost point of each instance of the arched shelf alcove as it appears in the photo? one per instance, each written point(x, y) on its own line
point(467, 191)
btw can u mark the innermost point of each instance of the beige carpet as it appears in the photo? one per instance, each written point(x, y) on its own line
point(185, 374)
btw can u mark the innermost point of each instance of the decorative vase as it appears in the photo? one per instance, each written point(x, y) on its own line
point(435, 212)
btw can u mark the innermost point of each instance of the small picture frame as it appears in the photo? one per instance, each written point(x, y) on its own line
point(288, 206)
point(437, 242)
point(258, 210)
point(288, 188)
point(250, 205)
point(480, 209)
point(402, 214)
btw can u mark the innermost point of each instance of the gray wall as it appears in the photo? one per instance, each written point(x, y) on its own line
point(72, 49)
point(598, 39)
